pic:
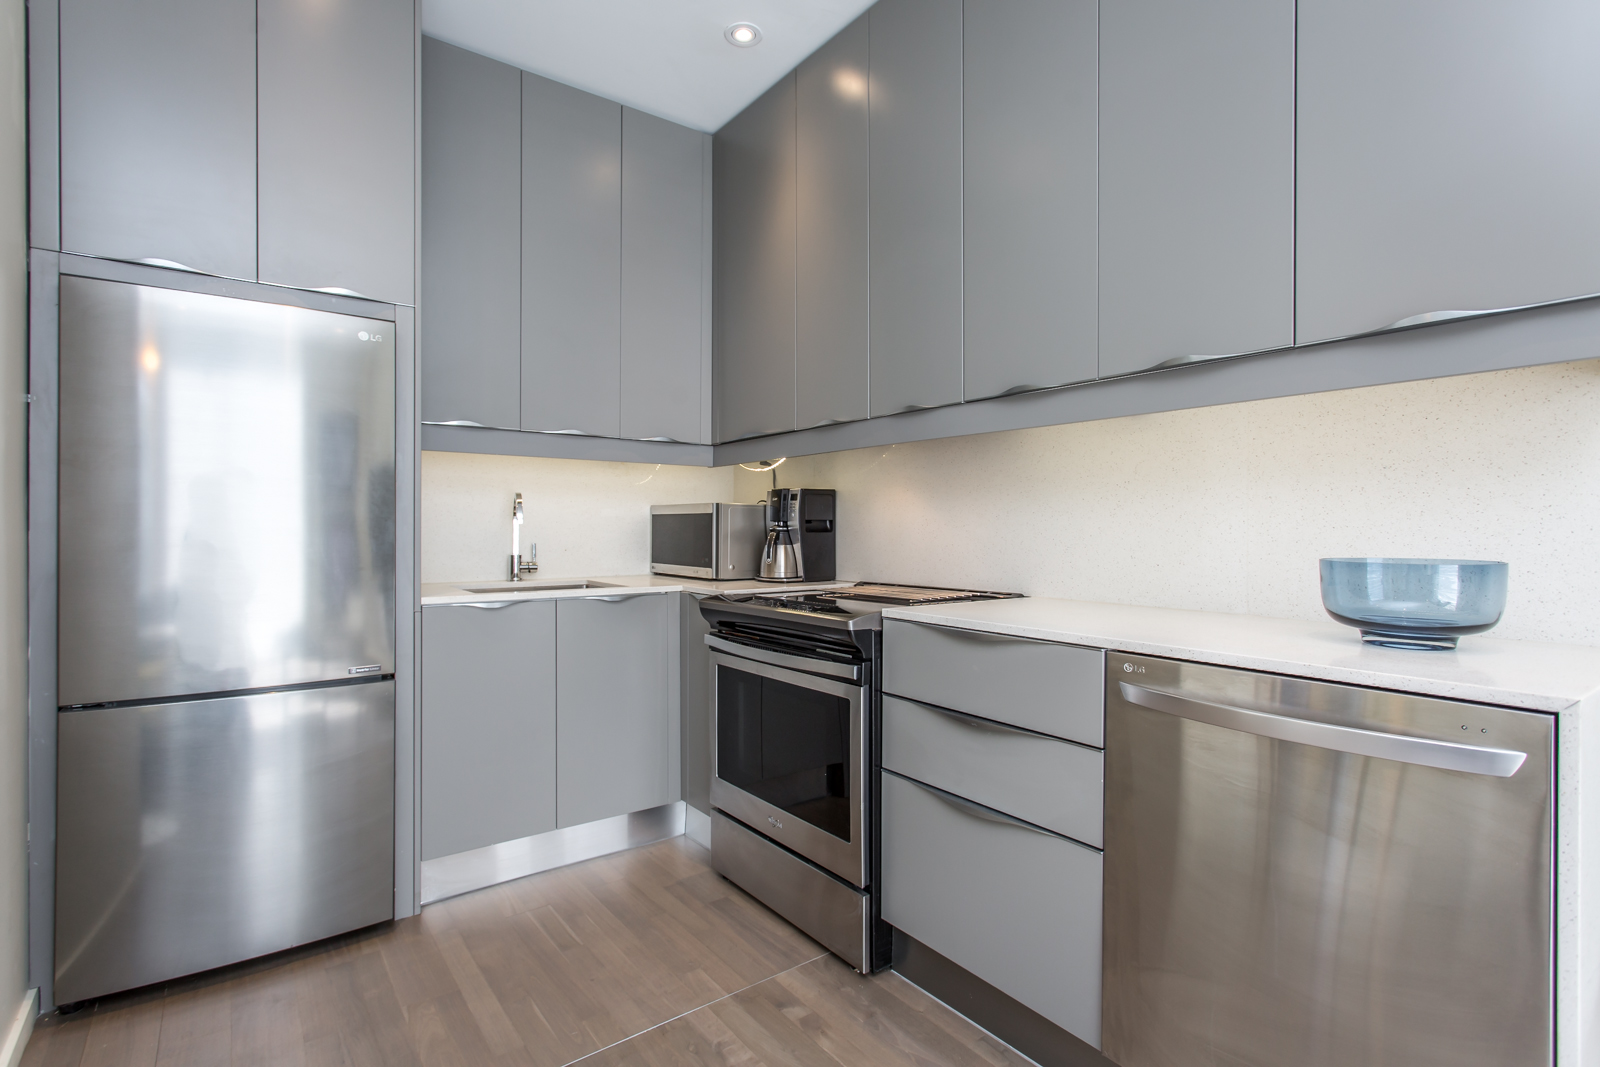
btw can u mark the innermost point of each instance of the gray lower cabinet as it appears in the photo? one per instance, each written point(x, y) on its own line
point(1197, 179)
point(488, 724)
point(1051, 783)
point(471, 237)
point(617, 742)
point(663, 342)
point(1015, 905)
point(1043, 686)
point(831, 255)
point(1030, 83)
point(158, 132)
point(571, 259)
point(336, 130)
point(754, 163)
point(695, 702)
point(915, 155)
point(1448, 158)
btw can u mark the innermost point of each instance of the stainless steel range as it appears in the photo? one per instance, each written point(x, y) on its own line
point(795, 705)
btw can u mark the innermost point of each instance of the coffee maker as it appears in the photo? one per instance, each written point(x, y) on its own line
point(799, 546)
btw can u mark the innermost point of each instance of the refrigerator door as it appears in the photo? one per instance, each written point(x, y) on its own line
point(227, 494)
point(197, 834)
point(1319, 875)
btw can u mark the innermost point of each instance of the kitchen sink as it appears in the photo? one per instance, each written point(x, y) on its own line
point(536, 586)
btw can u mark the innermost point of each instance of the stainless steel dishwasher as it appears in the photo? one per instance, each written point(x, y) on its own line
point(1300, 874)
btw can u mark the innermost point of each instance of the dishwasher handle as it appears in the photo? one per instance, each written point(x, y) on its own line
point(1402, 748)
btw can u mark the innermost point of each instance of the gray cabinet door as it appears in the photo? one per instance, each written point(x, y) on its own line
point(1043, 686)
point(1018, 907)
point(1196, 179)
point(617, 745)
point(1448, 158)
point(1054, 784)
point(915, 156)
point(695, 702)
point(754, 166)
point(1029, 87)
point(831, 255)
point(337, 139)
point(158, 132)
point(471, 237)
point(663, 180)
point(571, 258)
point(488, 724)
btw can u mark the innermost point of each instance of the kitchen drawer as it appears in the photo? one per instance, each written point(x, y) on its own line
point(1018, 907)
point(1054, 689)
point(1055, 784)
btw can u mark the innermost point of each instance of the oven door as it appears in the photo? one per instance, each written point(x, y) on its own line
point(790, 758)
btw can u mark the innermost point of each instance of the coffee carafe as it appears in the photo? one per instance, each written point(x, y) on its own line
point(780, 556)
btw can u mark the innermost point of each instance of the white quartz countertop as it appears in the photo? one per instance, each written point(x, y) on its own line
point(547, 588)
point(1534, 675)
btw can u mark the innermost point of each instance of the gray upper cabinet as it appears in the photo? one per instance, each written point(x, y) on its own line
point(571, 259)
point(488, 724)
point(915, 157)
point(1030, 91)
point(158, 132)
point(755, 267)
point(471, 237)
point(618, 732)
point(1448, 158)
point(337, 141)
point(831, 290)
point(663, 253)
point(1197, 178)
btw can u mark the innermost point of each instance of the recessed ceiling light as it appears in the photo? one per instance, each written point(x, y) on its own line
point(743, 34)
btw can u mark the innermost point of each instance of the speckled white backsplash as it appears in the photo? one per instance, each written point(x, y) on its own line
point(1221, 509)
point(587, 518)
point(1229, 508)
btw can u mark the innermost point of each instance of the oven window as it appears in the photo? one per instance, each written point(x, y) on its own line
point(681, 540)
point(786, 744)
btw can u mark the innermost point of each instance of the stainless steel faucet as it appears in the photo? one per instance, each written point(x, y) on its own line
point(515, 566)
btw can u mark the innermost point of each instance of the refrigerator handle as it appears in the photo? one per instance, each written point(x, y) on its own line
point(1423, 751)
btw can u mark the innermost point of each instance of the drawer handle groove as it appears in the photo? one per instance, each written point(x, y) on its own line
point(978, 722)
point(987, 814)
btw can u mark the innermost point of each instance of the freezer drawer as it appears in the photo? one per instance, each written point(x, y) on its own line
point(1052, 688)
point(1052, 783)
point(1300, 873)
point(197, 834)
point(1018, 907)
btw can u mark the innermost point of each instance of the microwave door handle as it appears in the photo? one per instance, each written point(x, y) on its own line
point(1402, 748)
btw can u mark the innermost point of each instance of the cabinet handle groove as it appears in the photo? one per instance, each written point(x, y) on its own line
point(978, 722)
point(1410, 322)
point(987, 814)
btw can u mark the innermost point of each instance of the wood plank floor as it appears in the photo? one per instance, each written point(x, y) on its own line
point(645, 957)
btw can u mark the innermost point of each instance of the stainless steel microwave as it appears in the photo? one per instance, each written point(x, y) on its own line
point(717, 541)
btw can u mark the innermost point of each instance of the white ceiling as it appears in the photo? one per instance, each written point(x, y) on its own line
point(667, 57)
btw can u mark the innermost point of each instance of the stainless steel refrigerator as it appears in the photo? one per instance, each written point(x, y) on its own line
point(225, 745)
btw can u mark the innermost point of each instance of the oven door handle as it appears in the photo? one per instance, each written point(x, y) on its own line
point(848, 671)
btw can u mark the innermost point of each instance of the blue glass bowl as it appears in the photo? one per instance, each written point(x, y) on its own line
point(1414, 603)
